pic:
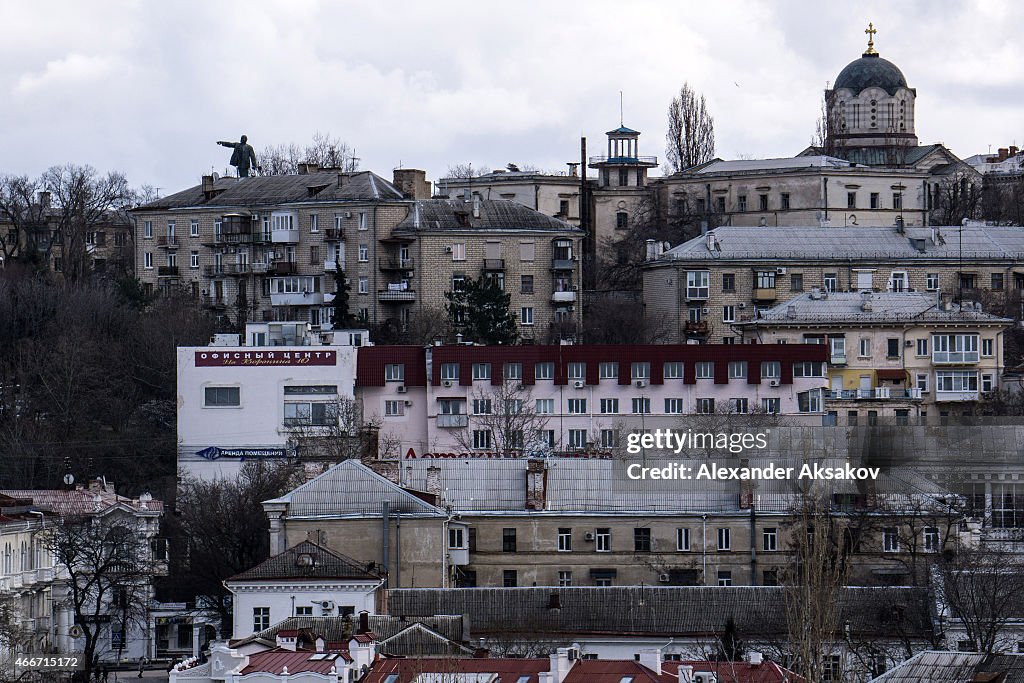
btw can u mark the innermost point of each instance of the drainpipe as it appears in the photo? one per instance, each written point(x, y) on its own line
point(398, 549)
point(704, 548)
point(753, 542)
point(385, 537)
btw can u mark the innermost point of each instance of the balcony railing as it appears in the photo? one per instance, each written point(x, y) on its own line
point(230, 269)
point(494, 264)
point(333, 234)
point(396, 295)
point(453, 421)
point(765, 294)
point(877, 393)
point(167, 241)
point(563, 297)
point(215, 302)
point(695, 328)
point(166, 271)
point(284, 268)
point(395, 264)
point(563, 264)
point(645, 161)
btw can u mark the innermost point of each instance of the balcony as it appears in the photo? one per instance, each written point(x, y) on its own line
point(765, 294)
point(955, 357)
point(875, 394)
point(563, 297)
point(229, 269)
point(396, 295)
point(698, 293)
point(296, 299)
point(215, 302)
point(388, 264)
point(629, 160)
point(44, 575)
point(838, 359)
point(167, 271)
point(562, 264)
point(259, 268)
point(333, 234)
point(453, 421)
point(494, 264)
point(42, 624)
point(956, 396)
point(284, 268)
point(695, 329)
point(167, 242)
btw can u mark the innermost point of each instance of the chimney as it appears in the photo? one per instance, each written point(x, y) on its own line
point(481, 653)
point(755, 658)
point(560, 665)
point(1013, 151)
point(712, 240)
point(652, 250)
point(207, 185)
point(44, 199)
point(685, 673)
point(651, 658)
point(476, 205)
point(434, 480)
point(342, 180)
point(865, 304)
point(945, 301)
point(1003, 153)
point(790, 311)
point(412, 182)
point(467, 195)
point(364, 622)
point(536, 484)
point(303, 168)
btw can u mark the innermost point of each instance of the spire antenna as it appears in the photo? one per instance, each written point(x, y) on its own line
point(620, 110)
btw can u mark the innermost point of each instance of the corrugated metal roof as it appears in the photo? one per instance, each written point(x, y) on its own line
point(786, 163)
point(383, 626)
point(738, 672)
point(504, 670)
point(662, 611)
point(935, 667)
point(352, 488)
point(429, 215)
point(322, 563)
point(81, 501)
point(878, 307)
point(274, 661)
point(416, 640)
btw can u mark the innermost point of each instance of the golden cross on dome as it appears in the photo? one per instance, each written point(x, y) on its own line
point(871, 31)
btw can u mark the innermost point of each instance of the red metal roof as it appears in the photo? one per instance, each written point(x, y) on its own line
point(79, 501)
point(738, 672)
point(507, 670)
point(612, 671)
point(274, 661)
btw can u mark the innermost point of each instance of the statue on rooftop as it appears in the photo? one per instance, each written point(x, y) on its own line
point(243, 158)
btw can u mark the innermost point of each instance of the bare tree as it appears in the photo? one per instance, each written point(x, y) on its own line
point(956, 197)
point(828, 129)
point(109, 567)
point(336, 435)
point(616, 318)
point(324, 150)
point(22, 215)
point(508, 413)
point(466, 170)
point(691, 130)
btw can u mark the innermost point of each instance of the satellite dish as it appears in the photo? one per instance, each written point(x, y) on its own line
point(69, 479)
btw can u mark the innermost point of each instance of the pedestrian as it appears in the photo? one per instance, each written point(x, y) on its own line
point(142, 665)
point(106, 673)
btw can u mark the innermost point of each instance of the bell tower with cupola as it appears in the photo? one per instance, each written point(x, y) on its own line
point(622, 166)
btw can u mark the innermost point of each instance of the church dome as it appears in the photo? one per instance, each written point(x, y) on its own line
point(871, 70)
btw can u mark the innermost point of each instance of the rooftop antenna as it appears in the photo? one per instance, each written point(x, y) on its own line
point(621, 124)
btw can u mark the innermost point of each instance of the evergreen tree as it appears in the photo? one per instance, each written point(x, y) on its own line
point(480, 311)
point(730, 647)
point(342, 316)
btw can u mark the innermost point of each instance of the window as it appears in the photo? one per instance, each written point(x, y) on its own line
point(459, 251)
point(682, 540)
point(608, 371)
point(890, 540)
point(510, 578)
point(193, 229)
point(481, 371)
point(394, 372)
point(741, 202)
point(364, 253)
point(762, 202)
point(898, 281)
point(738, 406)
point(623, 176)
point(921, 382)
point(193, 261)
point(987, 347)
point(640, 371)
point(450, 371)
point(674, 406)
point(931, 539)
point(319, 414)
point(724, 578)
point(221, 397)
point(314, 223)
point(508, 540)
point(784, 201)
point(577, 371)
point(545, 406)
point(672, 370)
point(954, 348)
point(771, 406)
point(809, 401)
point(544, 371)
point(304, 611)
point(641, 406)
point(482, 406)
point(564, 540)
point(621, 220)
point(770, 539)
point(705, 406)
point(771, 369)
point(260, 618)
point(765, 279)
point(603, 540)
point(809, 369)
point(577, 438)
point(725, 539)
point(987, 382)
point(796, 282)
point(728, 314)
point(513, 371)
point(738, 369)
point(641, 540)
point(864, 347)
point(997, 282)
point(564, 579)
point(394, 408)
point(698, 284)
point(526, 284)
point(831, 282)
point(147, 229)
point(364, 285)
point(875, 201)
point(147, 260)
point(456, 538)
point(481, 439)
point(609, 438)
point(577, 406)
point(728, 282)
point(362, 220)
point(922, 347)
point(705, 370)
point(851, 200)
point(932, 282)
point(609, 406)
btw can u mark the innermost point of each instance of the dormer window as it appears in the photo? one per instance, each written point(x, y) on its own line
point(305, 560)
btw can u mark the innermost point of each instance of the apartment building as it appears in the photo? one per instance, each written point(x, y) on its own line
point(893, 354)
point(709, 284)
point(269, 248)
point(477, 400)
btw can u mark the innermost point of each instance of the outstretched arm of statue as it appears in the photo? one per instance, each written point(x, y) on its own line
point(226, 144)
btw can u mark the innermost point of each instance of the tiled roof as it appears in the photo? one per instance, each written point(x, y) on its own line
point(661, 611)
point(81, 501)
point(430, 215)
point(307, 560)
point(884, 307)
point(274, 661)
point(383, 626)
point(814, 244)
point(504, 670)
point(283, 189)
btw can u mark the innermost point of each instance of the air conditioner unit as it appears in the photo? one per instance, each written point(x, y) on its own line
point(448, 249)
point(664, 578)
point(705, 310)
point(400, 389)
point(571, 308)
point(348, 214)
point(908, 343)
point(773, 382)
point(408, 403)
point(741, 305)
point(780, 271)
point(206, 292)
point(231, 250)
point(447, 383)
point(575, 288)
point(640, 383)
point(579, 384)
point(326, 604)
point(589, 536)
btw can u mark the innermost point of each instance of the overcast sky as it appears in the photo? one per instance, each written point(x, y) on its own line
point(148, 87)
